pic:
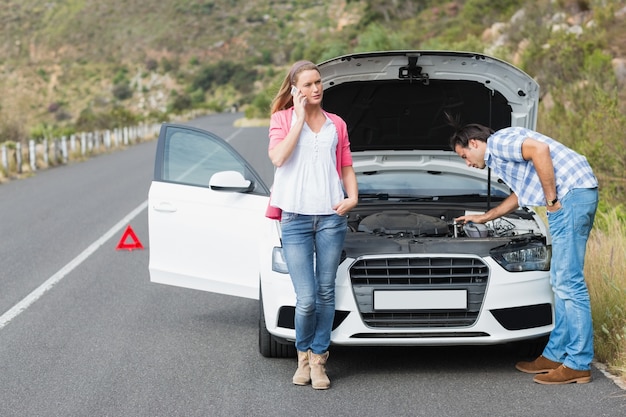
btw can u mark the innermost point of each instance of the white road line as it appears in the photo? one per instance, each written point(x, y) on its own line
point(18, 308)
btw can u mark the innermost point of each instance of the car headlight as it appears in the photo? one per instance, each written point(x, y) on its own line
point(278, 261)
point(525, 255)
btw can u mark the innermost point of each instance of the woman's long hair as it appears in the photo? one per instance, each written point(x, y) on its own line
point(283, 99)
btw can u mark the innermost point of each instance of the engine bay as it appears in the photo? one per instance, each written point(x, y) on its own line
point(427, 229)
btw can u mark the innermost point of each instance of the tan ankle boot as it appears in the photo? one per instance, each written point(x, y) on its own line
point(319, 379)
point(303, 373)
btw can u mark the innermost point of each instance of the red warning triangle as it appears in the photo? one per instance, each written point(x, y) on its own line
point(130, 246)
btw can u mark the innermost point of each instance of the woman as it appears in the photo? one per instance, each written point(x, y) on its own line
point(311, 152)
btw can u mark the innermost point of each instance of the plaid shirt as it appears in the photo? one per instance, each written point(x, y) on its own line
point(504, 157)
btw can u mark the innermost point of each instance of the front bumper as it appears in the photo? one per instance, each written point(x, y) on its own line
point(510, 307)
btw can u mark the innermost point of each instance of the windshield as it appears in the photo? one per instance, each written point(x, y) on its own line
point(423, 184)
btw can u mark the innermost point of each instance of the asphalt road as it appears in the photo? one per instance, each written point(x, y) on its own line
point(84, 333)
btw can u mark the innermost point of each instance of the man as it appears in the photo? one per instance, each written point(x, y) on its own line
point(542, 171)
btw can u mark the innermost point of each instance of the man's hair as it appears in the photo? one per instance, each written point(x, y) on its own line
point(463, 133)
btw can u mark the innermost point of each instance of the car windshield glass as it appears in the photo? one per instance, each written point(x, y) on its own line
point(423, 185)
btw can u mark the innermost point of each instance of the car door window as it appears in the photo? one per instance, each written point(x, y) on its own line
point(191, 157)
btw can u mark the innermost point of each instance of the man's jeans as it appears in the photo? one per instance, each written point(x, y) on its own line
point(571, 341)
point(312, 247)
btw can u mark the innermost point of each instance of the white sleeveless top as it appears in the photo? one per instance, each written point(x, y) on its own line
point(308, 182)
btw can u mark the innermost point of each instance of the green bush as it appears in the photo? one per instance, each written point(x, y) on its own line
point(260, 106)
point(223, 73)
point(378, 38)
point(179, 103)
point(168, 65)
point(121, 76)
point(197, 97)
point(122, 91)
point(482, 13)
point(90, 120)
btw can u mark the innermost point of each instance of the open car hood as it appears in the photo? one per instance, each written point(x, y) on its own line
point(397, 100)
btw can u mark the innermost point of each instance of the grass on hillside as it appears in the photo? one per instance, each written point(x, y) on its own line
point(605, 272)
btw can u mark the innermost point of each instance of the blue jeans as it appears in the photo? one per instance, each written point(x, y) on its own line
point(571, 341)
point(312, 248)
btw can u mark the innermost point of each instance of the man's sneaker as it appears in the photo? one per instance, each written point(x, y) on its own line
point(540, 365)
point(563, 375)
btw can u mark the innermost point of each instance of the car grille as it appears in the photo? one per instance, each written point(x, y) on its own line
point(419, 274)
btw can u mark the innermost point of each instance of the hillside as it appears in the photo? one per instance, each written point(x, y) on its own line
point(66, 57)
point(77, 65)
point(138, 29)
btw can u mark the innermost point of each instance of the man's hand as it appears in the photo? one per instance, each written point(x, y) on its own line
point(474, 218)
point(507, 206)
point(554, 208)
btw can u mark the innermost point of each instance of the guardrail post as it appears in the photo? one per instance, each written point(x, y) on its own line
point(32, 154)
point(18, 157)
point(64, 156)
point(83, 143)
point(46, 152)
point(57, 150)
point(5, 158)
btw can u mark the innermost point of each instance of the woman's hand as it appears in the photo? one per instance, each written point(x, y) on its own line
point(344, 207)
point(299, 101)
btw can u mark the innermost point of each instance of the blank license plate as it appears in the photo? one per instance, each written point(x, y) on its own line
point(420, 300)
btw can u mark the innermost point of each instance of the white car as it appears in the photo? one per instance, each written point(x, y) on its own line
point(409, 275)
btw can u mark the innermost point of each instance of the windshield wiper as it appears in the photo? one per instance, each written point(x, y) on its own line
point(377, 196)
point(407, 198)
point(453, 197)
point(399, 197)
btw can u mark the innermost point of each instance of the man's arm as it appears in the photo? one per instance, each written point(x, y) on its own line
point(539, 154)
point(507, 206)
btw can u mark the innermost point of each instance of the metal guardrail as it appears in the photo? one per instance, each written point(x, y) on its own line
point(16, 159)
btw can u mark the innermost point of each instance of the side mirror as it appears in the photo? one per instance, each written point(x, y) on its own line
point(231, 181)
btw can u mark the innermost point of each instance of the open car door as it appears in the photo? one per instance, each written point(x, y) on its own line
point(206, 214)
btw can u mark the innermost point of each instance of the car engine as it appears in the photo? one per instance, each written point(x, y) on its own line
point(428, 229)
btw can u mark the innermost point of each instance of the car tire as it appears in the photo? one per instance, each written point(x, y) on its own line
point(269, 346)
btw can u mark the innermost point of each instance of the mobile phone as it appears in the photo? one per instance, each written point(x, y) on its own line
point(294, 90)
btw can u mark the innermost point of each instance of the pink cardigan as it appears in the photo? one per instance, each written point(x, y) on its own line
point(280, 124)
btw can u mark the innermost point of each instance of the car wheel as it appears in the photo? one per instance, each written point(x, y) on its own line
point(268, 345)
